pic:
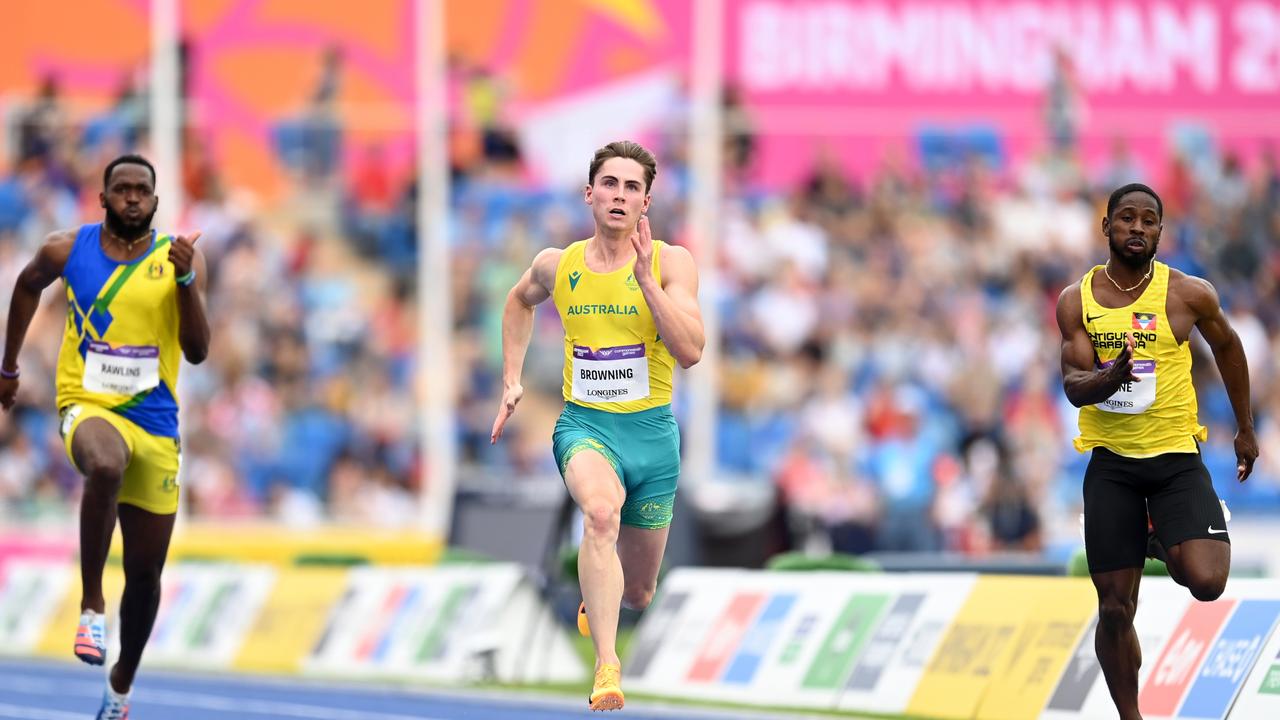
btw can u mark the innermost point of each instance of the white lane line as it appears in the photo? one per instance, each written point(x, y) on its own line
point(271, 708)
point(31, 685)
point(30, 713)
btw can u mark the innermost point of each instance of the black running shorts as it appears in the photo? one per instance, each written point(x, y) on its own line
point(1120, 492)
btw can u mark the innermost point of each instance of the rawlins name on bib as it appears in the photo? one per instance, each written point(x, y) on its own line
point(602, 310)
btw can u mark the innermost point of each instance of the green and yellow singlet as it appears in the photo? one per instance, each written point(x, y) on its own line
point(614, 359)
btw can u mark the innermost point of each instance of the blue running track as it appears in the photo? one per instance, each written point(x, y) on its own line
point(44, 690)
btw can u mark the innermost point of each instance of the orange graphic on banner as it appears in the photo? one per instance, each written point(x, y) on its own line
point(725, 637)
point(1181, 657)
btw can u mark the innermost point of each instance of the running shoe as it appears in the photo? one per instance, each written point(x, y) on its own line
point(606, 694)
point(583, 628)
point(91, 638)
point(114, 707)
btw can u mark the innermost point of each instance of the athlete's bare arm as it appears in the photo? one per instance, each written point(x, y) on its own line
point(1228, 352)
point(675, 304)
point(193, 326)
point(534, 287)
point(43, 269)
point(1083, 381)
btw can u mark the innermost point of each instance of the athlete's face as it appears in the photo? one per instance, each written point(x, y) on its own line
point(130, 200)
point(618, 197)
point(1133, 230)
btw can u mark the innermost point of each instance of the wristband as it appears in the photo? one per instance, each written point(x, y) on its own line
point(187, 279)
point(8, 374)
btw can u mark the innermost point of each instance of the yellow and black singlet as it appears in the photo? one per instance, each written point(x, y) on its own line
point(1159, 414)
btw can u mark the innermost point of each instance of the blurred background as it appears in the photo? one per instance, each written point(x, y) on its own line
point(885, 200)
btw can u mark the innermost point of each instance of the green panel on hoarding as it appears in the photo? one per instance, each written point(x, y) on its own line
point(200, 632)
point(1271, 683)
point(445, 620)
point(834, 660)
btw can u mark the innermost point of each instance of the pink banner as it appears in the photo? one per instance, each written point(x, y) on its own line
point(862, 79)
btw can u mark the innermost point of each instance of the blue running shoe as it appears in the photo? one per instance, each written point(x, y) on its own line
point(114, 706)
point(91, 638)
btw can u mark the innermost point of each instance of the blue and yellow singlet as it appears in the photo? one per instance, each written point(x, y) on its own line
point(614, 359)
point(120, 350)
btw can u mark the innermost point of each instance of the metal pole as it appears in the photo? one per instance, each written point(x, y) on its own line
point(707, 139)
point(435, 341)
point(166, 141)
point(166, 102)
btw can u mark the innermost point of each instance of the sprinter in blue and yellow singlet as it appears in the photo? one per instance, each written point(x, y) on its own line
point(1126, 363)
point(134, 307)
point(630, 312)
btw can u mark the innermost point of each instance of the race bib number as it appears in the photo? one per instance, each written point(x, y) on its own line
point(1133, 397)
point(123, 370)
point(615, 374)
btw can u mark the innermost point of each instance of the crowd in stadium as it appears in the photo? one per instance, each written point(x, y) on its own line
point(890, 358)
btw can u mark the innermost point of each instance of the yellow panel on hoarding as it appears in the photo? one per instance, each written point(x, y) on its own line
point(1058, 610)
point(979, 641)
point(292, 619)
point(278, 545)
point(60, 635)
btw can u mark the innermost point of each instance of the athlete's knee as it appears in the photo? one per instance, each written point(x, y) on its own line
point(102, 474)
point(1205, 586)
point(143, 576)
point(1115, 614)
point(637, 597)
point(601, 518)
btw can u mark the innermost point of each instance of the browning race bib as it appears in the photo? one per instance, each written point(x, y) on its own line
point(614, 374)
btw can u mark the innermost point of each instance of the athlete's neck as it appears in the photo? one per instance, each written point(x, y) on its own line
point(116, 239)
point(1126, 275)
point(609, 252)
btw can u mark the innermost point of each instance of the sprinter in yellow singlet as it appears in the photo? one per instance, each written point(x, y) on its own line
point(134, 305)
point(630, 312)
point(1126, 363)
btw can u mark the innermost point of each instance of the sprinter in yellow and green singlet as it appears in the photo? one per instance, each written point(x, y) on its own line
point(629, 305)
point(135, 307)
point(1126, 363)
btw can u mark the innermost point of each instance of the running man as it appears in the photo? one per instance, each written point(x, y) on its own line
point(1126, 363)
point(134, 298)
point(630, 312)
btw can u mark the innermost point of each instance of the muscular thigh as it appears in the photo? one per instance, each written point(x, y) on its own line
point(650, 452)
point(1115, 514)
point(1186, 507)
point(151, 480)
point(150, 462)
point(589, 476)
point(94, 437)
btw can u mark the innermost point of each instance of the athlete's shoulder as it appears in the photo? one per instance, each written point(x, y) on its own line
point(1070, 294)
point(672, 250)
point(545, 264)
point(675, 257)
point(58, 245)
point(1196, 292)
point(64, 235)
point(1070, 313)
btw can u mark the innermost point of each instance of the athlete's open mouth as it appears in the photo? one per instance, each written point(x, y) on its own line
point(1136, 244)
point(618, 212)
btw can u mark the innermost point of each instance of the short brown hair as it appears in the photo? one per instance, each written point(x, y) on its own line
point(629, 150)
